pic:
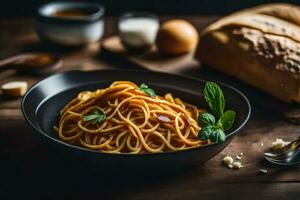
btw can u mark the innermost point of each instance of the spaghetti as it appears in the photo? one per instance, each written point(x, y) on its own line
point(124, 119)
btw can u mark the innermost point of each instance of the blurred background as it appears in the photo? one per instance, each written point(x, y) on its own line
point(12, 8)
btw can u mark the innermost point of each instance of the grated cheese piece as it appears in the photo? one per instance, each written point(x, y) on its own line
point(263, 171)
point(230, 166)
point(239, 157)
point(228, 160)
point(279, 143)
point(237, 165)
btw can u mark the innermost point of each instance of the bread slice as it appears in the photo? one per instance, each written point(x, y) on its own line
point(14, 88)
point(261, 50)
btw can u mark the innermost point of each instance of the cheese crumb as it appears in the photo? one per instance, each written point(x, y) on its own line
point(241, 154)
point(228, 160)
point(230, 166)
point(239, 157)
point(279, 143)
point(237, 165)
point(263, 171)
point(261, 144)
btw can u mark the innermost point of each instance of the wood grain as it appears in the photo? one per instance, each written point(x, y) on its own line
point(31, 170)
point(112, 49)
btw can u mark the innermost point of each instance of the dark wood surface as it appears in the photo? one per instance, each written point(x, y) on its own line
point(29, 169)
point(152, 60)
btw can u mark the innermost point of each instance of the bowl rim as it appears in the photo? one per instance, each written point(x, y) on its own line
point(95, 16)
point(57, 140)
point(136, 14)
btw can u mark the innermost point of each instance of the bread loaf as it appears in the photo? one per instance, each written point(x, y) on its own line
point(257, 47)
point(284, 11)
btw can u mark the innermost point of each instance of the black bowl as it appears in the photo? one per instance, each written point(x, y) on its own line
point(42, 103)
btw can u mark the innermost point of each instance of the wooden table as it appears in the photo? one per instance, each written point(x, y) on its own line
point(29, 169)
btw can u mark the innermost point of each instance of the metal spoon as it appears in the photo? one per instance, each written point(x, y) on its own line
point(37, 63)
point(288, 155)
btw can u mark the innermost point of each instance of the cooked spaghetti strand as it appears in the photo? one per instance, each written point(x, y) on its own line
point(134, 122)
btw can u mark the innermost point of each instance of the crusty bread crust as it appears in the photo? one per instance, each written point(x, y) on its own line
point(264, 23)
point(261, 50)
point(284, 11)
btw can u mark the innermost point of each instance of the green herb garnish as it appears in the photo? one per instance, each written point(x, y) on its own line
point(150, 92)
point(96, 116)
point(214, 98)
point(214, 129)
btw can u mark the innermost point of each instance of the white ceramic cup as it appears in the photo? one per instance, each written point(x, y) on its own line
point(138, 30)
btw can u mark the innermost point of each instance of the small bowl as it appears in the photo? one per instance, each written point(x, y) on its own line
point(70, 23)
point(42, 103)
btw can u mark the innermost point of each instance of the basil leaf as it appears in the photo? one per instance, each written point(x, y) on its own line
point(97, 117)
point(220, 136)
point(89, 117)
point(215, 131)
point(217, 136)
point(206, 119)
point(214, 97)
point(227, 120)
point(205, 132)
point(150, 92)
point(213, 136)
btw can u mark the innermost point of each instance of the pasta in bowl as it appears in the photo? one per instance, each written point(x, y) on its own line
point(95, 116)
point(126, 118)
